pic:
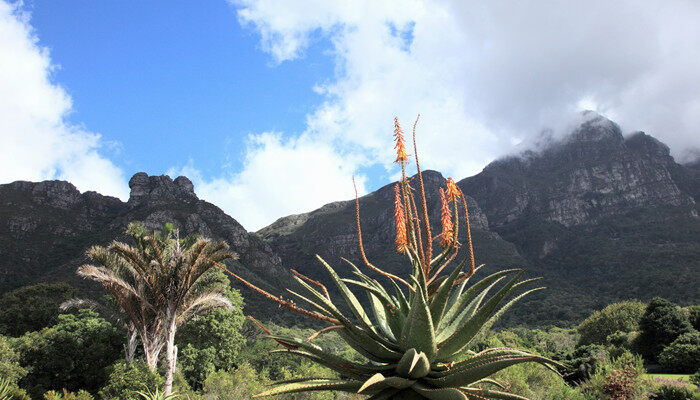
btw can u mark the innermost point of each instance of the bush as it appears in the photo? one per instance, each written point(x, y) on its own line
point(675, 392)
point(619, 379)
point(73, 354)
point(126, 379)
point(694, 316)
point(32, 308)
point(621, 317)
point(241, 383)
point(211, 341)
point(660, 325)
point(10, 369)
point(695, 378)
point(683, 355)
point(65, 395)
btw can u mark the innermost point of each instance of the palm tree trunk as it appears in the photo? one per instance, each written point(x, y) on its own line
point(151, 349)
point(131, 343)
point(170, 354)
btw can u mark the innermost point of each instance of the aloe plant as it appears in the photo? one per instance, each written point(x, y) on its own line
point(5, 389)
point(416, 335)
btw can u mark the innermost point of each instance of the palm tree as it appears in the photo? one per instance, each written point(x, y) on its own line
point(159, 284)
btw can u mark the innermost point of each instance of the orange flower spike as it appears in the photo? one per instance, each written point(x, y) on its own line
point(446, 218)
point(400, 217)
point(452, 190)
point(400, 147)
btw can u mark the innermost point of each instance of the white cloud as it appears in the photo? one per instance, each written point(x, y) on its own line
point(485, 75)
point(279, 177)
point(37, 142)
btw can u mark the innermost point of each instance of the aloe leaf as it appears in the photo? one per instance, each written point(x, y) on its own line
point(418, 331)
point(349, 297)
point(439, 393)
point(499, 313)
point(380, 316)
point(375, 348)
point(311, 385)
point(492, 394)
point(385, 394)
point(465, 297)
point(483, 368)
point(467, 313)
point(437, 305)
point(380, 382)
point(370, 348)
point(471, 327)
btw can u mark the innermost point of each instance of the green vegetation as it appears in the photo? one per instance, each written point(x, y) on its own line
point(612, 322)
point(73, 354)
point(660, 325)
point(426, 336)
point(160, 283)
point(32, 308)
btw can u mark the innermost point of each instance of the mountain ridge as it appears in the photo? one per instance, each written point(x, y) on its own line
point(600, 216)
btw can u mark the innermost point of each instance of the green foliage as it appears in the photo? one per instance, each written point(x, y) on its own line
point(72, 354)
point(617, 317)
point(694, 316)
point(621, 378)
point(695, 378)
point(10, 369)
point(32, 308)
point(211, 341)
point(65, 395)
point(660, 325)
point(125, 380)
point(238, 384)
point(156, 395)
point(675, 392)
point(683, 354)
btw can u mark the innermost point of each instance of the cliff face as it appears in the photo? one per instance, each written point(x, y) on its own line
point(600, 216)
point(590, 175)
point(47, 226)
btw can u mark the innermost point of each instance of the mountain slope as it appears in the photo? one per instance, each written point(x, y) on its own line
point(47, 226)
point(600, 216)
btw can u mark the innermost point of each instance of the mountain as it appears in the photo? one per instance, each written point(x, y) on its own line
point(599, 216)
point(47, 226)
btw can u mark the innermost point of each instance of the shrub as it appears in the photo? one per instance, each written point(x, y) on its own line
point(240, 383)
point(617, 317)
point(660, 325)
point(32, 308)
point(66, 395)
point(695, 378)
point(675, 392)
point(683, 355)
point(125, 380)
point(212, 341)
point(694, 316)
point(10, 369)
point(617, 379)
point(73, 354)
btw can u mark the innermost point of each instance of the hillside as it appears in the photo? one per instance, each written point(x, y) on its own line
point(47, 226)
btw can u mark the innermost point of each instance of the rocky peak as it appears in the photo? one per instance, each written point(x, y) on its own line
point(596, 128)
point(646, 144)
point(159, 189)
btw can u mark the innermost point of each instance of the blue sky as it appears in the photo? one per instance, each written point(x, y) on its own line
point(272, 106)
point(170, 84)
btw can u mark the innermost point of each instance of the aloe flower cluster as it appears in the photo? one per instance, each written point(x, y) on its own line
point(417, 333)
